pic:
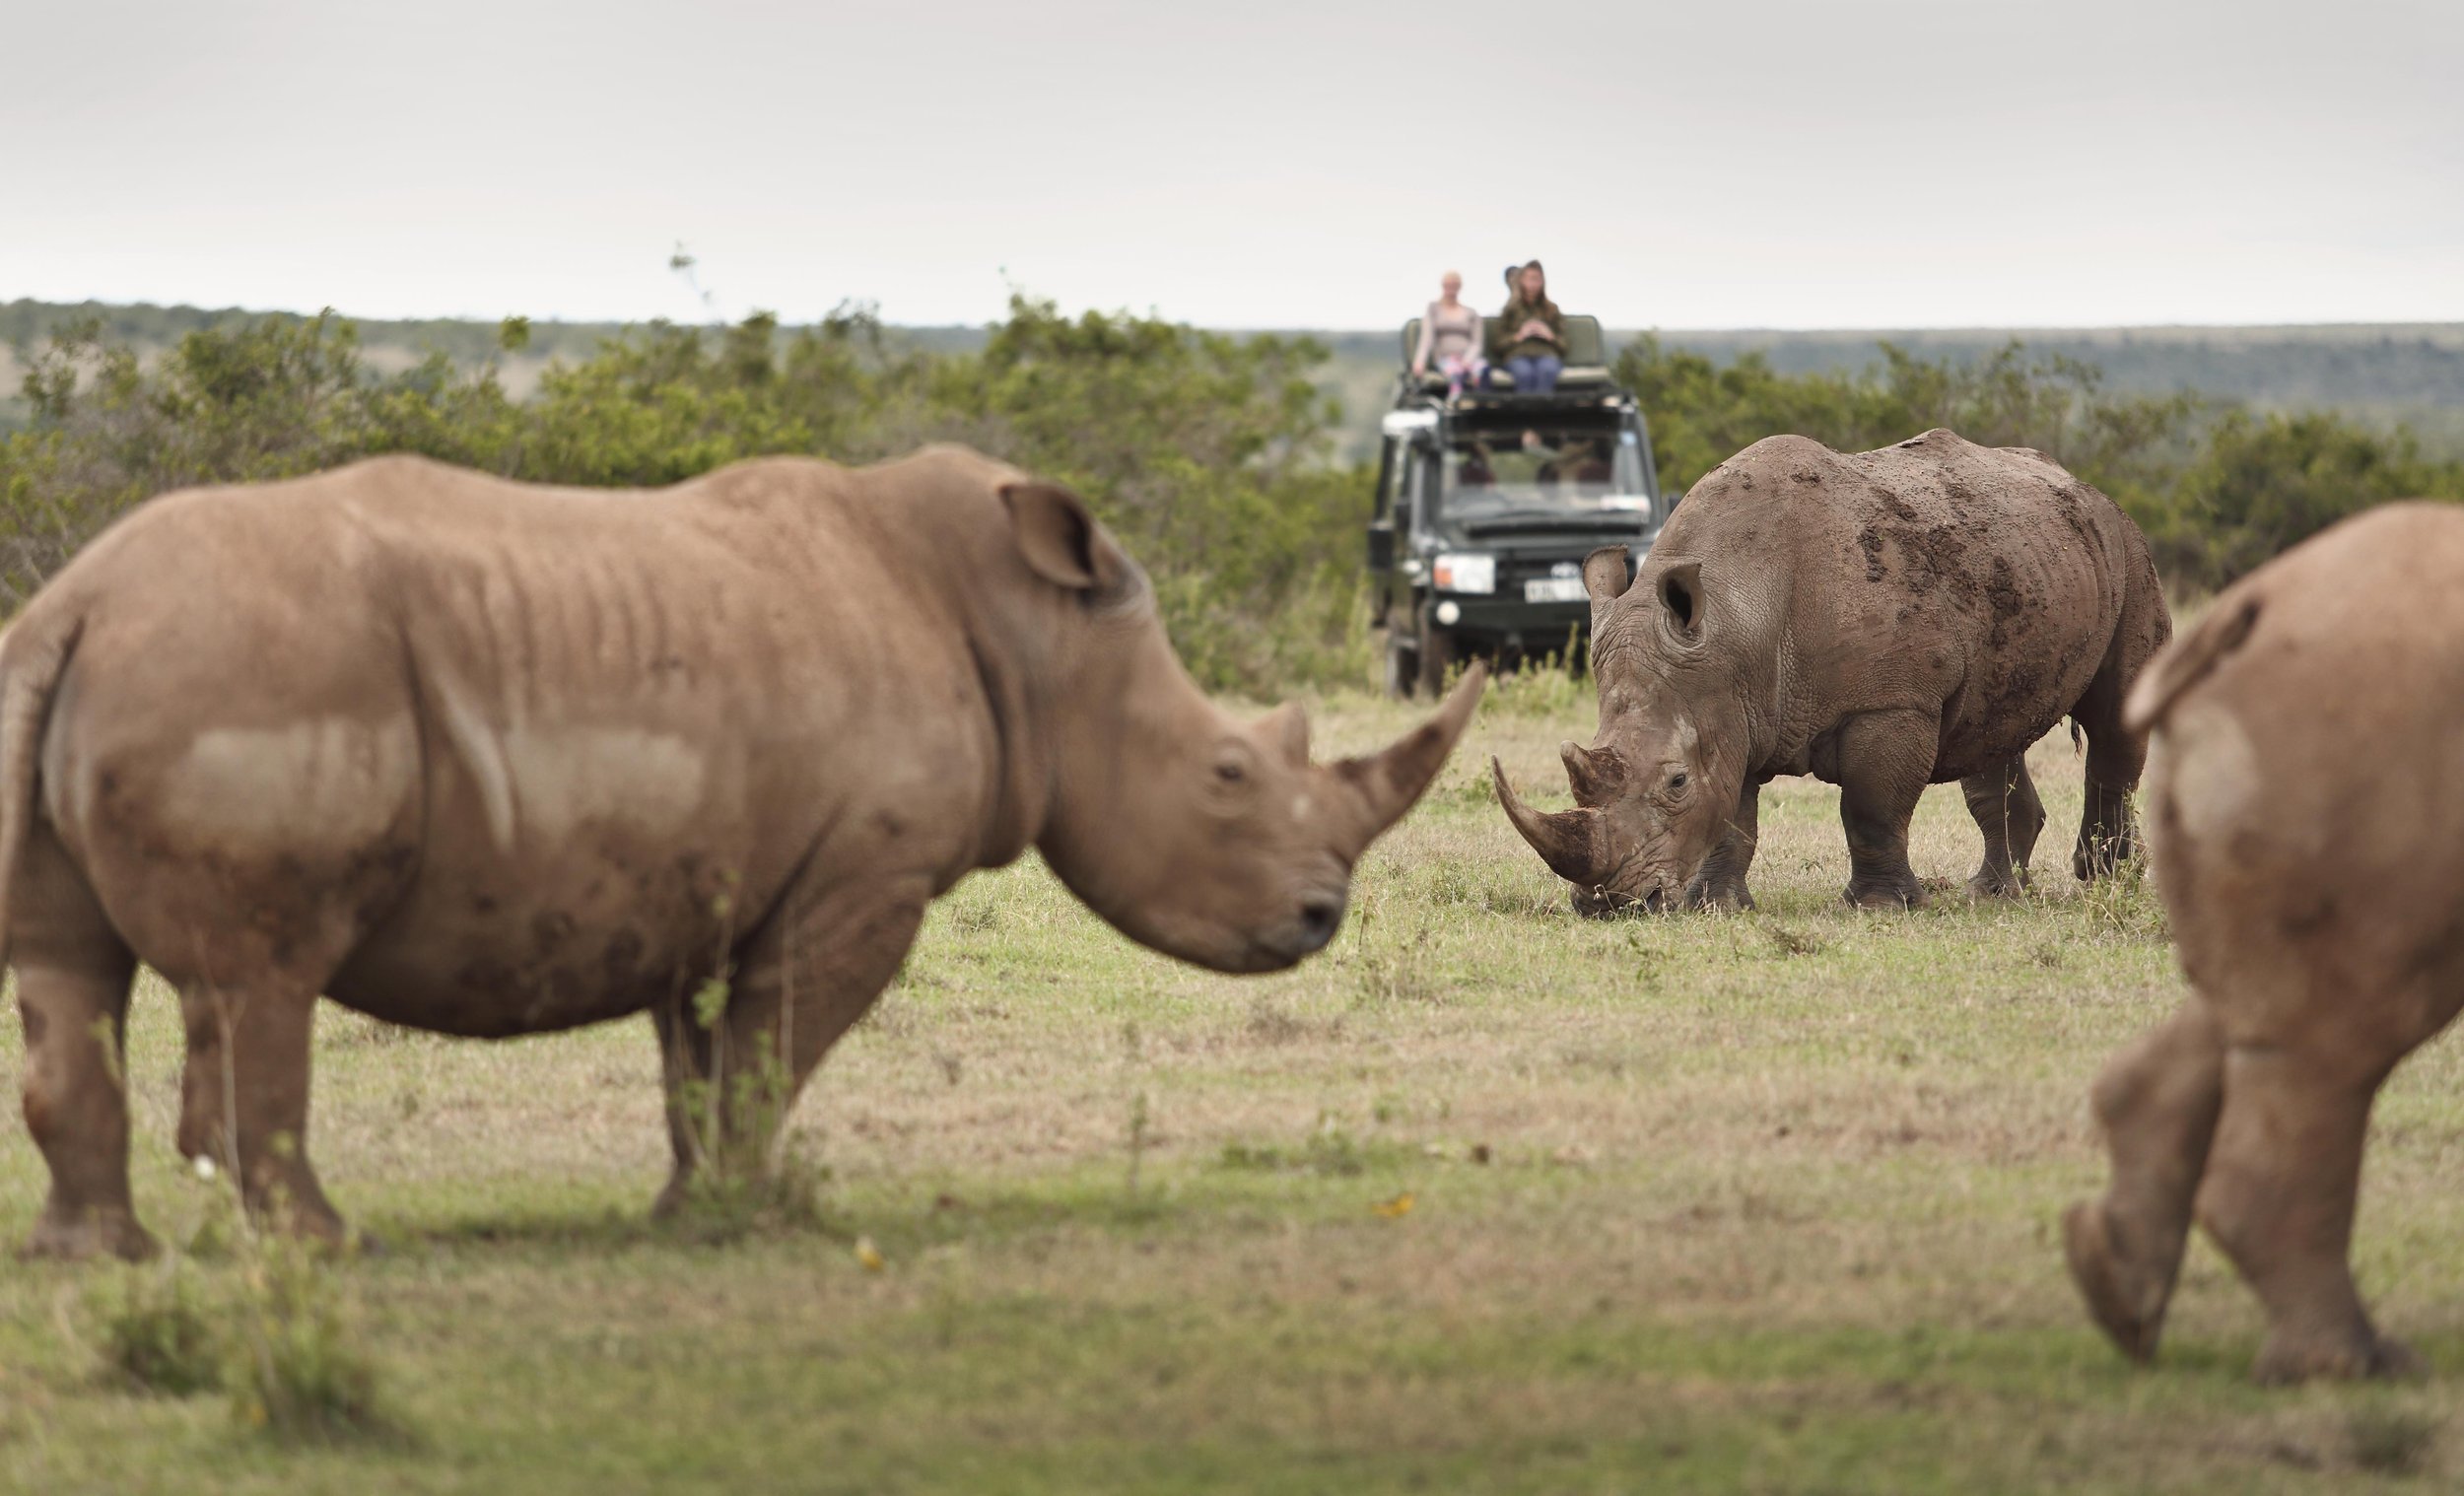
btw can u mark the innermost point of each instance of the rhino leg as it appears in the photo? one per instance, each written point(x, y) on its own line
point(800, 981)
point(245, 1098)
point(2007, 810)
point(1885, 760)
point(2278, 1198)
point(1721, 883)
point(2107, 834)
point(2157, 1102)
point(72, 975)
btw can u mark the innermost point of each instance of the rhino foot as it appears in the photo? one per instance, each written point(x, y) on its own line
point(1987, 883)
point(91, 1234)
point(2289, 1359)
point(1726, 895)
point(1886, 893)
point(2131, 1314)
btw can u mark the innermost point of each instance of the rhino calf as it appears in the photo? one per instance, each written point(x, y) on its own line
point(1882, 621)
point(493, 759)
point(2306, 833)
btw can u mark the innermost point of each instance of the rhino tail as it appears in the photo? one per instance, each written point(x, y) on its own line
point(2187, 660)
point(33, 655)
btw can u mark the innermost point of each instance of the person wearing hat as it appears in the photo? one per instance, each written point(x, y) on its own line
point(1528, 336)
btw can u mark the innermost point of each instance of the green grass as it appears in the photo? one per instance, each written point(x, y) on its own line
point(1752, 1203)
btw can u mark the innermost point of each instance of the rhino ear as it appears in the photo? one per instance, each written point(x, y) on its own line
point(1681, 601)
point(1060, 539)
point(1606, 574)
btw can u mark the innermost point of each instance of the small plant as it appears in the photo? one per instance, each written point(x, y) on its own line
point(158, 1332)
point(1139, 1138)
point(1329, 1150)
point(1392, 969)
point(1132, 1056)
point(737, 1106)
point(2124, 903)
point(1786, 942)
point(1545, 688)
point(2388, 1440)
point(296, 1367)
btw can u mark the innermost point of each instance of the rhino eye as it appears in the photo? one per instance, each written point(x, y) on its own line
point(1677, 781)
point(1230, 772)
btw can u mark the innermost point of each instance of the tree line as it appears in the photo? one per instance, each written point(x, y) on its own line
point(1211, 455)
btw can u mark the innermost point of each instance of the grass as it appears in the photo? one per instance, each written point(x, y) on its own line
point(1484, 1199)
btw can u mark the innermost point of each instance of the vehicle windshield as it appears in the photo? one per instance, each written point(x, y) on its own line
point(1543, 467)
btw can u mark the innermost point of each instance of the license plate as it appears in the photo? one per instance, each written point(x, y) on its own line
point(1554, 589)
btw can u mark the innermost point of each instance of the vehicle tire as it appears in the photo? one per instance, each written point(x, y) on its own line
point(1402, 663)
point(1437, 653)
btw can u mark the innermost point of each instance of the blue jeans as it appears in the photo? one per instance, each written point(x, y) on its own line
point(1534, 373)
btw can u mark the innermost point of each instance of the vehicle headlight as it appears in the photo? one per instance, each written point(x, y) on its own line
point(1466, 573)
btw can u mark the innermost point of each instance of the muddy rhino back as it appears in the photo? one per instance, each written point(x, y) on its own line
point(2019, 575)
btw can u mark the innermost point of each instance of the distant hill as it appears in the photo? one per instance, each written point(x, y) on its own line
point(2382, 373)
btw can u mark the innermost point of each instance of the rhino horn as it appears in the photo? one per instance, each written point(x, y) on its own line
point(1596, 775)
point(1388, 783)
point(1570, 842)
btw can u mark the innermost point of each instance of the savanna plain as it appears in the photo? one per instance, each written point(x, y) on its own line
point(1485, 1198)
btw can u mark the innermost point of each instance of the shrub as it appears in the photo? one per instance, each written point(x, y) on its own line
point(297, 1366)
point(157, 1331)
point(2264, 483)
point(2217, 490)
point(1210, 454)
point(1206, 454)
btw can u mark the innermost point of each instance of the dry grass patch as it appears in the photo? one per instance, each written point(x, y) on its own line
point(1485, 1198)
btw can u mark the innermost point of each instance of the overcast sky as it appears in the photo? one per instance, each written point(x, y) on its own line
point(1245, 162)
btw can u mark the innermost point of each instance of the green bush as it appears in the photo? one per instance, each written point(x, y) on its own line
point(156, 1330)
point(1702, 413)
point(1210, 454)
point(298, 1368)
point(1207, 453)
point(2262, 483)
point(2217, 490)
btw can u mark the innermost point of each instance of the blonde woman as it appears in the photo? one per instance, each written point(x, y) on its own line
point(1450, 338)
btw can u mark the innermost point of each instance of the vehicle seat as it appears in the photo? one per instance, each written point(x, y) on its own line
point(1587, 358)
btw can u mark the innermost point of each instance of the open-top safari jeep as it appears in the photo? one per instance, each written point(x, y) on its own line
point(1487, 502)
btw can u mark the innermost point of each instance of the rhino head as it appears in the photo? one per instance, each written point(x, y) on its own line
point(1204, 837)
point(1655, 788)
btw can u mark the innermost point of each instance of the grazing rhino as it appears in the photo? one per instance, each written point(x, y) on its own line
point(491, 758)
point(2307, 832)
point(1881, 621)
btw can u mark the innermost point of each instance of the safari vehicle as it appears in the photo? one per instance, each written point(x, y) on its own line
point(1488, 501)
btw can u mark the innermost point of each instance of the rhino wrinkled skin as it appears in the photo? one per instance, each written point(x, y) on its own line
point(493, 759)
point(2306, 800)
point(1882, 621)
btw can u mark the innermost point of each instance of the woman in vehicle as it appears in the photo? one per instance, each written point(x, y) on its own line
point(1450, 338)
point(1530, 335)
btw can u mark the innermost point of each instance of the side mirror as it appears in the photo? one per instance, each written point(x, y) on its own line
point(1382, 545)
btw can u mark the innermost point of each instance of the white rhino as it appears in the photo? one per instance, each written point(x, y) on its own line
point(2307, 831)
point(493, 759)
